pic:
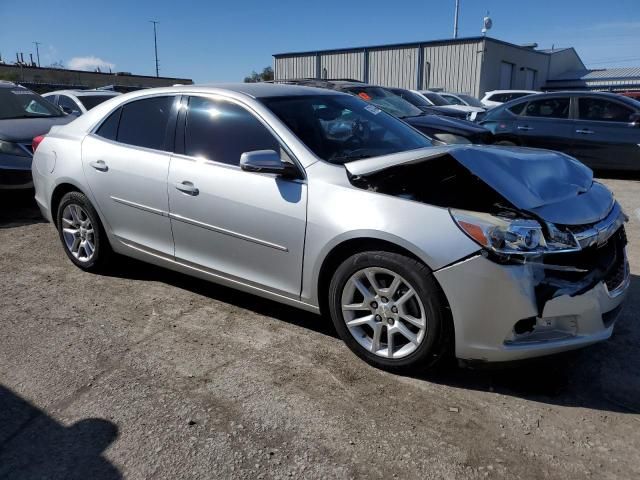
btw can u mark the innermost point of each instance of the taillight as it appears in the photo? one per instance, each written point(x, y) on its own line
point(36, 141)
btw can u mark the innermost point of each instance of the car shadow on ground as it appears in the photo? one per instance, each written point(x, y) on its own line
point(18, 208)
point(604, 376)
point(33, 445)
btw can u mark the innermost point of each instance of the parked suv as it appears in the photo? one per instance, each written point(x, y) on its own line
point(78, 102)
point(600, 129)
point(498, 97)
point(23, 116)
point(444, 129)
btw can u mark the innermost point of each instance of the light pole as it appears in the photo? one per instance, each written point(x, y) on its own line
point(37, 44)
point(155, 44)
point(455, 19)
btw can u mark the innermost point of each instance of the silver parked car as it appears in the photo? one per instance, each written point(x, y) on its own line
point(320, 200)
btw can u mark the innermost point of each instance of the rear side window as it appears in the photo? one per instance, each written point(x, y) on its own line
point(109, 128)
point(222, 131)
point(597, 109)
point(144, 122)
point(548, 108)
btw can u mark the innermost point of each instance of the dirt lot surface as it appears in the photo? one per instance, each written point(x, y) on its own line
point(145, 373)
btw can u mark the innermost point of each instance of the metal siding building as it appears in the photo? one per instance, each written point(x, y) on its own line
point(467, 65)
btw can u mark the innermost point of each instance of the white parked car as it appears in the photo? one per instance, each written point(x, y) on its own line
point(79, 102)
point(464, 100)
point(498, 97)
point(440, 100)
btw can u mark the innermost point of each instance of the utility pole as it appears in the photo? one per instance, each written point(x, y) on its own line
point(155, 43)
point(37, 44)
point(455, 19)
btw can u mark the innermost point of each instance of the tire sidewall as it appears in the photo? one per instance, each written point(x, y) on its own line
point(421, 279)
point(100, 242)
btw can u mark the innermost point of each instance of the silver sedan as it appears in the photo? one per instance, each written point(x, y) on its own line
point(320, 200)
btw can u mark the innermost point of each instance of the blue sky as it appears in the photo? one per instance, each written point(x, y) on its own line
point(212, 41)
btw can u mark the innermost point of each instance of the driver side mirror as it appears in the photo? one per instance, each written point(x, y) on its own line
point(635, 119)
point(267, 161)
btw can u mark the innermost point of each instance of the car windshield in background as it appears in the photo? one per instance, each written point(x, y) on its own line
point(18, 102)
point(436, 99)
point(341, 128)
point(387, 101)
point(471, 101)
point(412, 98)
point(90, 101)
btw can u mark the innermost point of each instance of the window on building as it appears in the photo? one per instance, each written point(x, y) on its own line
point(144, 122)
point(597, 109)
point(222, 131)
point(548, 108)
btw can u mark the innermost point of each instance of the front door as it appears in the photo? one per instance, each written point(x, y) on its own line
point(245, 226)
point(545, 123)
point(604, 136)
point(126, 166)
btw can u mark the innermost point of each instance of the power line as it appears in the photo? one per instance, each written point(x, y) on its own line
point(155, 44)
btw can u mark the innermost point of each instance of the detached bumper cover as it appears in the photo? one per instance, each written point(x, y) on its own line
point(488, 299)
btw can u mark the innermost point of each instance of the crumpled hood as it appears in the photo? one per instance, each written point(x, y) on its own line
point(551, 185)
point(24, 129)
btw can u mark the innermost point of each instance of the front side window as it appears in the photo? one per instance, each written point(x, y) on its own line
point(341, 128)
point(19, 102)
point(597, 109)
point(548, 108)
point(144, 122)
point(222, 131)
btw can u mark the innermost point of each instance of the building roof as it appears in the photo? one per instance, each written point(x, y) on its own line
point(413, 44)
point(628, 73)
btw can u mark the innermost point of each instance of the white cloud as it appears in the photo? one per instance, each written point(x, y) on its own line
point(89, 63)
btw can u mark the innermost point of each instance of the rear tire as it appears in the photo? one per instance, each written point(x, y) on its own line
point(81, 233)
point(390, 311)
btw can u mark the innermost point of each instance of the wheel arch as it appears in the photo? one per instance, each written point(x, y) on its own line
point(60, 191)
point(346, 248)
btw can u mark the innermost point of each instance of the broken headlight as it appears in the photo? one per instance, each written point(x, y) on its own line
point(518, 236)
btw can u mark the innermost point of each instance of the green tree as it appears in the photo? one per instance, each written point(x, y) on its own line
point(255, 77)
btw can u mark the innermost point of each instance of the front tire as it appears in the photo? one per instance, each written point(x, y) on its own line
point(390, 311)
point(81, 233)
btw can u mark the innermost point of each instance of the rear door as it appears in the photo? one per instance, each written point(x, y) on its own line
point(604, 136)
point(545, 123)
point(247, 227)
point(126, 163)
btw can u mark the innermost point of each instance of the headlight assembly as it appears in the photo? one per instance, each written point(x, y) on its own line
point(518, 236)
point(10, 148)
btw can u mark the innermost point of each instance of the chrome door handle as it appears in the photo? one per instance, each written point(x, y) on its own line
point(99, 165)
point(187, 187)
point(585, 131)
point(526, 129)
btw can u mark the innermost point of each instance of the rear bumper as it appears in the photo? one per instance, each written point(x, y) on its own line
point(487, 300)
point(15, 172)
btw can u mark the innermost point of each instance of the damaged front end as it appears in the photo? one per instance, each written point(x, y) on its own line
point(532, 211)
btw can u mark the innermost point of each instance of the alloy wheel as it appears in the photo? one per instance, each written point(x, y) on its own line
point(78, 233)
point(383, 312)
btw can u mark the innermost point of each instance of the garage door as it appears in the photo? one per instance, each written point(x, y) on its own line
point(506, 74)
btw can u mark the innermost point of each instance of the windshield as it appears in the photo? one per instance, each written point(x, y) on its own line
point(19, 102)
point(435, 99)
point(471, 101)
point(341, 128)
point(412, 98)
point(387, 101)
point(90, 101)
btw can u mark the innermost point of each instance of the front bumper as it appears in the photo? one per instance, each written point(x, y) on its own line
point(488, 299)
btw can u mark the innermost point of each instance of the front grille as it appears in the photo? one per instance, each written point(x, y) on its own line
point(617, 274)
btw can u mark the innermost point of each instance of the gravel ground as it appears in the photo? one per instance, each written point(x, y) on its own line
point(145, 373)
